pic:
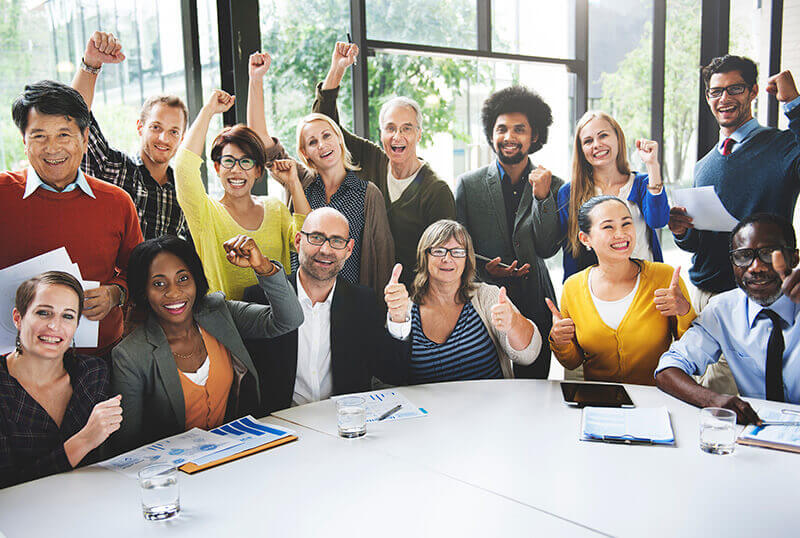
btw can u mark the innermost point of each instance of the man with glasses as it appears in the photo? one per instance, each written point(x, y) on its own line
point(752, 169)
point(415, 196)
point(757, 326)
point(342, 342)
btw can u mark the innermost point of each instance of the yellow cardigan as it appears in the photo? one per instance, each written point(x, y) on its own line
point(629, 354)
point(211, 225)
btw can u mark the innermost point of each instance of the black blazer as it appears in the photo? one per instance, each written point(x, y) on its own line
point(360, 348)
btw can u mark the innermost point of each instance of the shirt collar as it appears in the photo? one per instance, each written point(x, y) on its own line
point(33, 182)
point(304, 299)
point(525, 173)
point(784, 307)
point(742, 132)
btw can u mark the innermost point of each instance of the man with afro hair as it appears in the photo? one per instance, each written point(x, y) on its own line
point(509, 209)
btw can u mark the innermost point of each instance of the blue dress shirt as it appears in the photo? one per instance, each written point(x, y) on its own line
point(733, 325)
point(33, 182)
point(743, 133)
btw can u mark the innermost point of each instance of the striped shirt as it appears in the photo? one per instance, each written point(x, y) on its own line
point(468, 353)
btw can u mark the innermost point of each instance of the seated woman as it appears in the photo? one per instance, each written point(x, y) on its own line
point(187, 366)
point(53, 408)
point(460, 329)
point(330, 181)
point(239, 159)
point(600, 166)
point(618, 316)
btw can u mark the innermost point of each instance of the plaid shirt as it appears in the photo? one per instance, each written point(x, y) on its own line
point(31, 444)
point(159, 212)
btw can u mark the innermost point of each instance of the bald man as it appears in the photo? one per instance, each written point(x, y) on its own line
point(342, 342)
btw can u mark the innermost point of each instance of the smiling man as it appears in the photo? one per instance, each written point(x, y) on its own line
point(509, 209)
point(54, 204)
point(757, 326)
point(147, 177)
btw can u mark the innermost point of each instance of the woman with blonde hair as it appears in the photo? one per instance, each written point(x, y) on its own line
point(459, 328)
point(600, 167)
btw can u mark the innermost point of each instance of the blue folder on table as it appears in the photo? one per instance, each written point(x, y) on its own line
point(640, 426)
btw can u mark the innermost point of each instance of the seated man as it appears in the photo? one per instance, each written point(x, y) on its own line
point(342, 342)
point(741, 325)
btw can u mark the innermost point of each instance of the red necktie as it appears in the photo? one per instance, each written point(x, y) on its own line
point(727, 145)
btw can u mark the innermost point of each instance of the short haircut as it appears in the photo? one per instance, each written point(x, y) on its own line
point(51, 98)
point(400, 101)
point(725, 64)
point(784, 224)
point(27, 290)
point(142, 258)
point(584, 214)
point(436, 235)
point(349, 163)
point(167, 100)
point(245, 139)
point(518, 99)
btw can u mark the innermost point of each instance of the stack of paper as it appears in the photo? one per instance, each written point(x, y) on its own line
point(379, 402)
point(631, 426)
point(10, 279)
point(784, 437)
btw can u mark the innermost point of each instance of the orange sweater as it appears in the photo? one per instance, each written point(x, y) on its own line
point(630, 353)
point(98, 233)
point(206, 404)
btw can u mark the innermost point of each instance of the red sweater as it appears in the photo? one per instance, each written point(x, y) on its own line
point(98, 234)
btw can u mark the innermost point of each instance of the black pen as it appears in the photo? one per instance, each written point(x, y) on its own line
point(349, 39)
point(390, 412)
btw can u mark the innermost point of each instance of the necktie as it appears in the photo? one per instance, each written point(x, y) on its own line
point(774, 373)
point(727, 145)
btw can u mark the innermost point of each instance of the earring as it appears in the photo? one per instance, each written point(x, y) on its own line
point(588, 248)
point(18, 345)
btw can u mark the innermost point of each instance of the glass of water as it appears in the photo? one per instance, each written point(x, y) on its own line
point(717, 430)
point(351, 414)
point(160, 493)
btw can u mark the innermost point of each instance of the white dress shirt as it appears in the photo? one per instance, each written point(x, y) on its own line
point(314, 380)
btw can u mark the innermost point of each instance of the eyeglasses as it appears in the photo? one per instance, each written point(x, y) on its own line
point(733, 89)
point(743, 257)
point(245, 163)
point(441, 252)
point(405, 130)
point(318, 240)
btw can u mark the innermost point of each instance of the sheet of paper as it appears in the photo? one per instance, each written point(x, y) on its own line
point(786, 435)
point(640, 423)
point(705, 207)
point(247, 433)
point(176, 450)
point(380, 401)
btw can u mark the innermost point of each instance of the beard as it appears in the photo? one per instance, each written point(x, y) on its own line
point(516, 158)
point(322, 274)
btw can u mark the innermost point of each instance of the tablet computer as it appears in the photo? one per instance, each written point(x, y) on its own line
point(595, 395)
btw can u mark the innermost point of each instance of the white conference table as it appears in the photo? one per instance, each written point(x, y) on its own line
point(517, 439)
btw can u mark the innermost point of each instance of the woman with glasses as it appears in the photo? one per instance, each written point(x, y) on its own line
point(239, 159)
point(618, 316)
point(600, 166)
point(460, 329)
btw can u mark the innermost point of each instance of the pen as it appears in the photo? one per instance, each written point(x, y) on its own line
point(349, 39)
point(484, 259)
point(390, 412)
point(780, 423)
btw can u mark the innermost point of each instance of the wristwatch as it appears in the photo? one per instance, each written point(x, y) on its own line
point(123, 295)
point(89, 69)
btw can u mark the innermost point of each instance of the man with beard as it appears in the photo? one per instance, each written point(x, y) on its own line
point(509, 209)
point(342, 342)
point(752, 169)
point(755, 326)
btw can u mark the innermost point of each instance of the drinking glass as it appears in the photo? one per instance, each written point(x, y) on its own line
point(160, 492)
point(351, 414)
point(717, 430)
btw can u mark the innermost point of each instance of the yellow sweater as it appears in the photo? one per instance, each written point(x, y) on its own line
point(211, 225)
point(630, 353)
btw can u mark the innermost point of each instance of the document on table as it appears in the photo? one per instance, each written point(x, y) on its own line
point(705, 208)
point(779, 437)
point(379, 402)
point(248, 433)
point(641, 425)
point(10, 279)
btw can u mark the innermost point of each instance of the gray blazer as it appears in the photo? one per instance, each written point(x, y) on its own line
point(535, 237)
point(144, 372)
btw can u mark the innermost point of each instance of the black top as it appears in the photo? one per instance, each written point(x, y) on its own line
point(512, 192)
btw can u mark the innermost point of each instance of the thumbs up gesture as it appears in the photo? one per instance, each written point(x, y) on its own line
point(670, 301)
point(396, 296)
point(563, 331)
point(540, 179)
point(502, 313)
point(791, 279)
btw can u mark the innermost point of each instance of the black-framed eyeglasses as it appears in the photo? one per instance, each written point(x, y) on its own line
point(743, 257)
point(318, 239)
point(733, 89)
point(245, 163)
point(441, 252)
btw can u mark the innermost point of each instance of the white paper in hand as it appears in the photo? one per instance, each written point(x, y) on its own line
point(705, 208)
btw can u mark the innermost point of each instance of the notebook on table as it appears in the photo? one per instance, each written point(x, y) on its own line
point(778, 437)
point(640, 426)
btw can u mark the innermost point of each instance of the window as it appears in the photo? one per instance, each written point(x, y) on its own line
point(534, 27)
point(445, 23)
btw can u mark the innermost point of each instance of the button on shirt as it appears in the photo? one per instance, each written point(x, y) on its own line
point(314, 380)
point(733, 325)
point(33, 182)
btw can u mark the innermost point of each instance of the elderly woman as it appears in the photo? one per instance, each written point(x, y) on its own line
point(459, 329)
point(600, 166)
point(53, 407)
point(617, 317)
point(187, 366)
point(239, 159)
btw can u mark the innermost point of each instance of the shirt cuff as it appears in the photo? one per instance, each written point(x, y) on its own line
point(791, 105)
point(400, 331)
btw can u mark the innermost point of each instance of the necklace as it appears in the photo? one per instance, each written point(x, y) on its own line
point(190, 354)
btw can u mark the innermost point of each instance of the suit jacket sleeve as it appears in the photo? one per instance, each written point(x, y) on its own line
point(129, 381)
point(282, 315)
